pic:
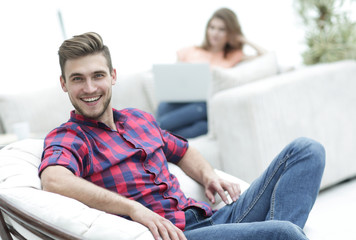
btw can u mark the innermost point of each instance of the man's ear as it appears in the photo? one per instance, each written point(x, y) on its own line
point(63, 84)
point(113, 76)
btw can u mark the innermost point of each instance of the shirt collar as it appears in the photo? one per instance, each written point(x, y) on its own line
point(78, 118)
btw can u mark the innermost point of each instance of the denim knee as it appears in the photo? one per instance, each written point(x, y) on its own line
point(286, 230)
point(312, 147)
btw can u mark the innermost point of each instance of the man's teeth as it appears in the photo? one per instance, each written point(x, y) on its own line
point(91, 99)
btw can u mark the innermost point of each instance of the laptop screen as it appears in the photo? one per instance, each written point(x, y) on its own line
point(182, 82)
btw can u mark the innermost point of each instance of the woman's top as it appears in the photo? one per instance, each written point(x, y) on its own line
point(198, 55)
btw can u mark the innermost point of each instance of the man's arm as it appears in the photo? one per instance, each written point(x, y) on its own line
point(60, 180)
point(195, 166)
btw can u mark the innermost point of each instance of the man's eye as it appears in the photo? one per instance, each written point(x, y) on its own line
point(99, 75)
point(77, 79)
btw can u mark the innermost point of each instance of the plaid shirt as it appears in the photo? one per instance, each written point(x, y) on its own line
point(131, 161)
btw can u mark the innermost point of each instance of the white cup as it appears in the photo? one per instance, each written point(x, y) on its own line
point(21, 130)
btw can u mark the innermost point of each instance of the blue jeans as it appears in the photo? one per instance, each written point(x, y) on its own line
point(185, 119)
point(275, 206)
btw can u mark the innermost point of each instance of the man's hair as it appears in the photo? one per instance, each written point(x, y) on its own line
point(83, 45)
point(233, 29)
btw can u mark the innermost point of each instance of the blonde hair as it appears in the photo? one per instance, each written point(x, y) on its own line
point(83, 45)
point(233, 29)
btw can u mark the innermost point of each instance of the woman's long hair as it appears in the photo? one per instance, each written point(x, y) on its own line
point(233, 30)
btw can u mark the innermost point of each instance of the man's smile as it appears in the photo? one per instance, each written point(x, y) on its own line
point(91, 99)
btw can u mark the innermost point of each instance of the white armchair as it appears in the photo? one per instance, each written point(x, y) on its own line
point(28, 211)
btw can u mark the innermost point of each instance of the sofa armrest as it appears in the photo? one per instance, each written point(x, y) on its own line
point(243, 73)
point(255, 121)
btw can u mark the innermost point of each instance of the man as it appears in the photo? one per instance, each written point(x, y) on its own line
point(116, 161)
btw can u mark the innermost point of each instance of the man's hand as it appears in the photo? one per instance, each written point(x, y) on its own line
point(195, 166)
point(216, 184)
point(160, 227)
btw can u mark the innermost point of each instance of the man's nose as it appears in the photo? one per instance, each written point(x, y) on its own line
point(89, 86)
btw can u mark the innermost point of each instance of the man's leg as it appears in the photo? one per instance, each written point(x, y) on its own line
point(269, 230)
point(287, 189)
point(283, 194)
point(202, 228)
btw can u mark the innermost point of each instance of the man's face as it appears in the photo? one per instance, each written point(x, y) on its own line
point(89, 86)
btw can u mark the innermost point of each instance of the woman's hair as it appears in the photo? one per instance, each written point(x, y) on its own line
point(83, 45)
point(233, 30)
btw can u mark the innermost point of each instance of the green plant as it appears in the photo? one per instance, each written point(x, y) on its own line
point(330, 32)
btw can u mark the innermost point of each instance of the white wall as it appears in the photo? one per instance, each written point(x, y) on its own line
point(138, 32)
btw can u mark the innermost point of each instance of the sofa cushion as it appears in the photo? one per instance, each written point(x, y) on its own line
point(257, 68)
point(134, 90)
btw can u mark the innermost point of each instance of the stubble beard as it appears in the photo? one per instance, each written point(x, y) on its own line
point(89, 115)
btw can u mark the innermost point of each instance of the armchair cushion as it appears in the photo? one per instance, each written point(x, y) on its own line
point(20, 187)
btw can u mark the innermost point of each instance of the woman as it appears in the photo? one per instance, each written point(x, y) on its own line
point(222, 47)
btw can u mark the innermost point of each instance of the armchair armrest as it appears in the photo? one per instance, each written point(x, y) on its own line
point(28, 221)
point(49, 215)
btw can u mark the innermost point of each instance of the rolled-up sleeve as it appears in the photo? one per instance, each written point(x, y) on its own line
point(65, 148)
point(174, 146)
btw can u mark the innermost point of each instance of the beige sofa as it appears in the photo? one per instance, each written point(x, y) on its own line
point(253, 113)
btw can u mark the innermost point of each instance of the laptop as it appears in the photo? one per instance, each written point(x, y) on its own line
point(182, 82)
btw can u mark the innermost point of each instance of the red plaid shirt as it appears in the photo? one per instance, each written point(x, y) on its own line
point(131, 161)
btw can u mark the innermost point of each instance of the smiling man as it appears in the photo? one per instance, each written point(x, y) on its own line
point(88, 81)
point(117, 161)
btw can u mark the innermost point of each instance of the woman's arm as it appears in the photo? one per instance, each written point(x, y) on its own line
point(259, 50)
